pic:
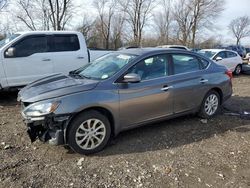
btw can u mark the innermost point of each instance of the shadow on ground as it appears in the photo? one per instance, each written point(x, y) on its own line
point(8, 98)
point(171, 133)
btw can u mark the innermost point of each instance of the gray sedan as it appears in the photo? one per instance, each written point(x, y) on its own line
point(120, 91)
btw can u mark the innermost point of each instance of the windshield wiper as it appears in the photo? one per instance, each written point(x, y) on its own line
point(77, 75)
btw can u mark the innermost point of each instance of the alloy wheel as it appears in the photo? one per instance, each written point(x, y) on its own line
point(90, 134)
point(211, 104)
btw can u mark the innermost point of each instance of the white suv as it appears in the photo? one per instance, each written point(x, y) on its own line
point(228, 58)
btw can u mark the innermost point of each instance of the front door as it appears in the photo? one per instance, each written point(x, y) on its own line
point(149, 99)
point(30, 62)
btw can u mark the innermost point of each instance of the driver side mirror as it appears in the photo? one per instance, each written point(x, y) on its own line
point(132, 78)
point(218, 58)
point(10, 52)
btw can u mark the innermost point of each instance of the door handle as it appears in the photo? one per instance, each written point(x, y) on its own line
point(166, 88)
point(80, 57)
point(203, 81)
point(46, 59)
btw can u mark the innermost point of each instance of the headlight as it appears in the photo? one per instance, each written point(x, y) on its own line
point(41, 109)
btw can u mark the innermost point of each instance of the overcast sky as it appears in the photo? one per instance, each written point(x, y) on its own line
point(233, 9)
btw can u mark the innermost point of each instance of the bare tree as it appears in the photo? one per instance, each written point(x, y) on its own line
point(60, 13)
point(193, 15)
point(3, 3)
point(85, 27)
point(138, 13)
point(26, 15)
point(117, 29)
point(44, 14)
point(203, 11)
point(163, 20)
point(240, 27)
point(183, 18)
point(106, 9)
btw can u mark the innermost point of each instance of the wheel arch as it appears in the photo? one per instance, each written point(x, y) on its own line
point(219, 91)
point(99, 109)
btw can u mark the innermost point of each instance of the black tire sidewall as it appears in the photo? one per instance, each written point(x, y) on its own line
point(202, 112)
point(235, 72)
point(74, 125)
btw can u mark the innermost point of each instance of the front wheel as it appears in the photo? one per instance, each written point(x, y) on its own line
point(210, 105)
point(238, 70)
point(89, 132)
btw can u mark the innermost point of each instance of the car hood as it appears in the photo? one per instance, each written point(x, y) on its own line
point(54, 86)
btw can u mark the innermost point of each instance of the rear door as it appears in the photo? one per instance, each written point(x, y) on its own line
point(149, 99)
point(31, 61)
point(233, 59)
point(188, 81)
point(66, 53)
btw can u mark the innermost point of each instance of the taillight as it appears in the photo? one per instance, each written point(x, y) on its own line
point(229, 74)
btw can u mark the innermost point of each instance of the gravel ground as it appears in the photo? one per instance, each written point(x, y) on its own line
point(183, 152)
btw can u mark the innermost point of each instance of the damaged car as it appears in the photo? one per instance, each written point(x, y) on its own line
point(120, 91)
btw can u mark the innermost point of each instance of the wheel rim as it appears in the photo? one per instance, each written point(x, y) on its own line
point(90, 134)
point(211, 104)
point(238, 69)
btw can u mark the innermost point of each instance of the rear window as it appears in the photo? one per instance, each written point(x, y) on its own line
point(64, 43)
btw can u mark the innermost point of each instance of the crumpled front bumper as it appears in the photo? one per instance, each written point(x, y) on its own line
point(49, 128)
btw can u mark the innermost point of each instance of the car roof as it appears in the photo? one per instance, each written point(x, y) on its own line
point(47, 32)
point(143, 51)
point(213, 50)
point(217, 50)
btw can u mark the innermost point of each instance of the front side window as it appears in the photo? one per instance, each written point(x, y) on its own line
point(185, 63)
point(31, 45)
point(150, 68)
point(105, 66)
point(64, 43)
point(222, 55)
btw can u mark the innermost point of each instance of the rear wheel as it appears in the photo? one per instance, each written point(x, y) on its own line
point(210, 105)
point(238, 70)
point(89, 132)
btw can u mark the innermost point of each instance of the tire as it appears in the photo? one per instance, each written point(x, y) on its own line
point(89, 132)
point(205, 106)
point(238, 70)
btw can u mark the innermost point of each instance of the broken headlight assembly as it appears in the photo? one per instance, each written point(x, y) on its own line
point(41, 109)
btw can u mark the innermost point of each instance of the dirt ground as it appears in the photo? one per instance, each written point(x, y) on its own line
point(184, 152)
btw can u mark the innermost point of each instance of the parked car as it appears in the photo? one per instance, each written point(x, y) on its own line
point(248, 53)
point(28, 56)
point(174, 46)
point(228, 58)
point(120, 91)
point(239, 49)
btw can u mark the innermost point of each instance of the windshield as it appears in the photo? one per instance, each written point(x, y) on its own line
point(208, 54)
point(8, 39)
point(105, 66)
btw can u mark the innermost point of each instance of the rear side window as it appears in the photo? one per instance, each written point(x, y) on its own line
point(31, 45)
point(231, 54)
point(185, 63)
point(204, 63)
point(64, 43)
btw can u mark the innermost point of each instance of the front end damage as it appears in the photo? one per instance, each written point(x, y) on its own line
point(48, 128)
